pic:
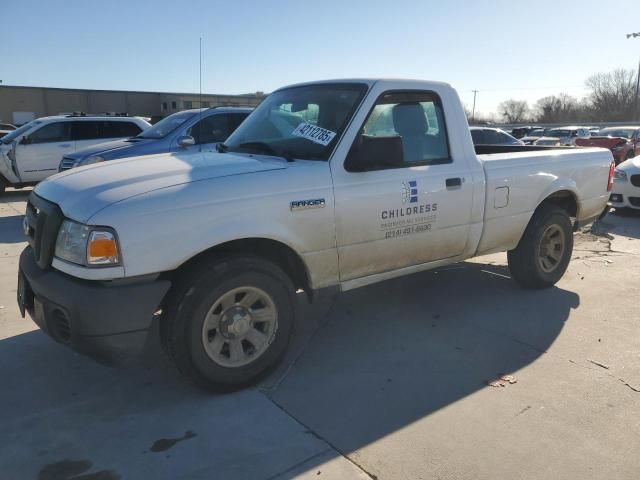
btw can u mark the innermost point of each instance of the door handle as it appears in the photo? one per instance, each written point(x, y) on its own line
point(65, 145)
point(453, 182)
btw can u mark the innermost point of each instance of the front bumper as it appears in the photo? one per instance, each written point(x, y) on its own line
point(624, 195)
point(107, 321)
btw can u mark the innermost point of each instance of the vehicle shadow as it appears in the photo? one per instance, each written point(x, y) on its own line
point(382, 358)
point(11, 229)
point(619, 222)
point(396, 352)
point(15, 195)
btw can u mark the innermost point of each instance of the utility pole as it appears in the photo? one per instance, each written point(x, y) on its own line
point(635, 102)
point(473, 111)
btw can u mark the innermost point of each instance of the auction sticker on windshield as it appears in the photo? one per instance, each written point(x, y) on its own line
point(314, 133)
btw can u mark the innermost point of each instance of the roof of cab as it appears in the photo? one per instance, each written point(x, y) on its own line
point(404, 82)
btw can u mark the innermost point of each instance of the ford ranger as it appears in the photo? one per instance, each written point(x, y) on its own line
point(326, 184)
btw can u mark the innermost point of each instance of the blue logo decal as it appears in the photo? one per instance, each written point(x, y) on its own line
point(410, 191)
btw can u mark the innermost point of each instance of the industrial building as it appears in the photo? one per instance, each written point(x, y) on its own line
point(19, 104)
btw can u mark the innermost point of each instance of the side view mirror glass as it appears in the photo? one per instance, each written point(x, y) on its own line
point(375, 153)
point(186, 141)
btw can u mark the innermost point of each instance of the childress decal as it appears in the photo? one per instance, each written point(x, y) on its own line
point(414, 216)
point(314, 133)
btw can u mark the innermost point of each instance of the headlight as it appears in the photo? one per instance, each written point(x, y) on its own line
point(619, 175)
point(84, 245)
point(90, 160)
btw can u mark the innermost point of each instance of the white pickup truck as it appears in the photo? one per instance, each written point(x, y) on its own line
point(326, 184)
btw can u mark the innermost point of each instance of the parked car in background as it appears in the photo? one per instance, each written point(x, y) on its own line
point(32, 152)
point(624, 142)
point(520, 132)
point(594, 130)
point(185, 130)
point(626, 185)
point(563, 136)
point(534, 135)
point(492, 136)
point(6, 128)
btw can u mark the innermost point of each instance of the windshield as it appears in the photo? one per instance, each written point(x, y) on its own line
point(167, 125)
point(9, 137)
point(617, 132)
point(559, 133)
point(536, 132)
point(299, 122)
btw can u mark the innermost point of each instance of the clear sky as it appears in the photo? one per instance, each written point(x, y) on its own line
point(523, 50)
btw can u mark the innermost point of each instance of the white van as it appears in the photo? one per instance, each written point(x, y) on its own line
point(33, 152)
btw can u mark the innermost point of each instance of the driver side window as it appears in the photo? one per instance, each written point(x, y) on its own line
point(414, 121)
point(212, 129)
point(52, 133)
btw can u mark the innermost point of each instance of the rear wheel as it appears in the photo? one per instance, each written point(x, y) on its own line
point(545, 249)
point(228, 322)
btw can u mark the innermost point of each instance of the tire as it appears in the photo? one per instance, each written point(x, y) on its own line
point(204, 321)
point(529, 266)
point(3, 185)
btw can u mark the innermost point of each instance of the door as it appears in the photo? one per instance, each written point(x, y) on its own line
point(39, 153)
point(414, 210)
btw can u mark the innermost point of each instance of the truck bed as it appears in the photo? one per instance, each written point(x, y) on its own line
point(519, 177)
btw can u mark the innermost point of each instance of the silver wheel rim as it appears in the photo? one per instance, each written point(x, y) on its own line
point(552, 248)
point(239, 327)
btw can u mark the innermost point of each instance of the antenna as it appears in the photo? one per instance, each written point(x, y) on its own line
point(200, 101)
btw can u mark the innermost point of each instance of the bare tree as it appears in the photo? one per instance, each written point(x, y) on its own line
point(612, 95)
point(513, 111)
point(559, 109)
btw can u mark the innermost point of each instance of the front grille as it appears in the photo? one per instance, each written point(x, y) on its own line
point(66, 164)
point(635, 180)
point(635, 201)
point(43, 221)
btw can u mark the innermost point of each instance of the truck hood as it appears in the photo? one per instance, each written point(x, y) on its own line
point(82, 192)
point(604, 142)
point(106, 147)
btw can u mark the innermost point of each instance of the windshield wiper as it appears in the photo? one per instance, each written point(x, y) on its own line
point(266, 149)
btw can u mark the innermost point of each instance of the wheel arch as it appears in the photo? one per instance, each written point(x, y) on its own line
point(275, 251)
point(565, 199)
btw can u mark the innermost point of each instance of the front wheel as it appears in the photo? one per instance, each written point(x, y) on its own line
point(228, 321)
point(545, 249)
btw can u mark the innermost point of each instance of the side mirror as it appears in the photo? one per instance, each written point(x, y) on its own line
point(25, 140)
point(186, 141)
point(375, 153)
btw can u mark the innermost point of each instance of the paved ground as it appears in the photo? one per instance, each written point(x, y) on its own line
point(391, 381)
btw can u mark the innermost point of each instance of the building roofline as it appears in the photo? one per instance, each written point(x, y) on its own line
point(256, 95)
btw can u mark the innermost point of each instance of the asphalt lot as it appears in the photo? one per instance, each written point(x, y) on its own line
point(396, 380)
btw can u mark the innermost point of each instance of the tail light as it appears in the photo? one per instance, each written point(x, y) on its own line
point(612, 168)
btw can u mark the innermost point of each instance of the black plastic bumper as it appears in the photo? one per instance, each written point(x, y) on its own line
point(107, 321)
